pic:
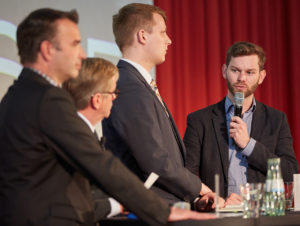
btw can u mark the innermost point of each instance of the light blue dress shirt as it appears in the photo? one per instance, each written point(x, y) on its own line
point(237, 171)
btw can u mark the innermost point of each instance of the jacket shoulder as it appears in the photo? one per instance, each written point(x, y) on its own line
point(208, 111)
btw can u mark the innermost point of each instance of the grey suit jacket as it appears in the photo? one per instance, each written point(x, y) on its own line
point(206, 140)
point(141, 134)
point(48, 154)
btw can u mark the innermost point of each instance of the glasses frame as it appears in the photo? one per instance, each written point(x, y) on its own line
point(116, 92)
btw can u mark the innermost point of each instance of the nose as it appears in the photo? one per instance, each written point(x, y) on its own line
point(242, 76)
point(169, 42)
point(82, 54)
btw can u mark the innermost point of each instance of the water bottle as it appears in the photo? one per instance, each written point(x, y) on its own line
point(267, 194)
point(274, 197)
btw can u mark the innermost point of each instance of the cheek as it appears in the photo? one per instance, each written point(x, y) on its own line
point(231, 77)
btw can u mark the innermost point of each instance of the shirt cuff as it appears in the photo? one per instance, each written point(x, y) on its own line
point(249, 148)
point(115, 207)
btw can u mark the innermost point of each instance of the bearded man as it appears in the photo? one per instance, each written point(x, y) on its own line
point(239, 147)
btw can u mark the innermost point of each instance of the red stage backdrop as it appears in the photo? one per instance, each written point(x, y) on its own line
point(201, 32)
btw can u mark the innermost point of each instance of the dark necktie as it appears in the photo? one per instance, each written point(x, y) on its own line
point(96, 134)
point(101, 141)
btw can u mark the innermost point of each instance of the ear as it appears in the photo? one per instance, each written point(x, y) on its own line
point(262, 75)
point(96, 101)
point(46, 50)
point(224, 70)
point(141, 36)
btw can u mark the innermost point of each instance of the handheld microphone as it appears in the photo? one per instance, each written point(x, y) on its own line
point(238, 107)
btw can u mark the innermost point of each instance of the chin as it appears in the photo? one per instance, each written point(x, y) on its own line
point(75, 74)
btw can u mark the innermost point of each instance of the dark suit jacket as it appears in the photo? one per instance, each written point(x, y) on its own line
point(206, 140)
point(46, 154)
point(102, 205)
point(140, 133)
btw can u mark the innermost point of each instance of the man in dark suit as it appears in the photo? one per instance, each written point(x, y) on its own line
point(140, 129)
point(48, 152)
point(93, 92)
point(238, 147)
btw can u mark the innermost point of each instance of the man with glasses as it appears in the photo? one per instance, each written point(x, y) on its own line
point(93, 92)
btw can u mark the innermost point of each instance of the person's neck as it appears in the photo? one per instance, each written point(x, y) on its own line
point(44, 70)
point(89, 115)
point(138, 58)
point(246, 104)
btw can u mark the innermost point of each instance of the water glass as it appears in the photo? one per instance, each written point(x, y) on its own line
point(289, 195)
point(252, 194)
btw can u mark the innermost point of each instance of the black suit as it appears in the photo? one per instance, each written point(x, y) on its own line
point(46, 154)
point(140, 133)
point(206, 140)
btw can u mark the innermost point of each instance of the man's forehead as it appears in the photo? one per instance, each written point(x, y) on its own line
point(244, 60)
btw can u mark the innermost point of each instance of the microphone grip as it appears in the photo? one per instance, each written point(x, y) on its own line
point(238, 111)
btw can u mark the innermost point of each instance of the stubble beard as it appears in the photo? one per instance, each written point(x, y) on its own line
point(247, 93)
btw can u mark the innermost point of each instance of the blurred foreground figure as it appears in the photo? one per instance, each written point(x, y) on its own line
point(48, 154)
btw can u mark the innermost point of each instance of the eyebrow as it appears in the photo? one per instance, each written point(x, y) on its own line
point(248, 69)
point(77, 41)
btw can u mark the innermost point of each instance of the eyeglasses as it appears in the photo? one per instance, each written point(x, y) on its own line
point(116, 92)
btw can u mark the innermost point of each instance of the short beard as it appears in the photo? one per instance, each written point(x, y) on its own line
point(247, 93)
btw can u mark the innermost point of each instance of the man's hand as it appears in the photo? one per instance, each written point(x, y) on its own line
point(204, 190)
point(208, 202)
point(233, 199)
point(180, 214)
point(238, 132)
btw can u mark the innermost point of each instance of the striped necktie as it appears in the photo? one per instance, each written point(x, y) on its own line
point(155, 89)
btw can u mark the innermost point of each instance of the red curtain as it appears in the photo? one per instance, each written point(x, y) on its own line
point(201, 32)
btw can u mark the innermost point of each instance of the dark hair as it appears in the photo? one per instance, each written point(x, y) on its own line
point(37, 27)
point(94, 76)
point(132, 17)
point(246, 49)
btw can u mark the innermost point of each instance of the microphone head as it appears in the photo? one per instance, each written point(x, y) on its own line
point(239, 98)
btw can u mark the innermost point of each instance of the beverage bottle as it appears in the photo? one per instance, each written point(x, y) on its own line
point(276, 195)
point(280, 205)
point(267, 194)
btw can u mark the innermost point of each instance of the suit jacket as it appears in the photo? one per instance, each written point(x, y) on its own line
point(102, 205)
point(206, 140)
point(141, 134)
point(47, 153)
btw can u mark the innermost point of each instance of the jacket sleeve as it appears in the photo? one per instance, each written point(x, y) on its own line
point(75, 145)
point(275, 142)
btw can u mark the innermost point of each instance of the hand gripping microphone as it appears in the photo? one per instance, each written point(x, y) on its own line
point(238, 107)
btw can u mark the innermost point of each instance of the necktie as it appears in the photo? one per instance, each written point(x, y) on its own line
point(101, 141)
point(96, 134)
point(155, 89)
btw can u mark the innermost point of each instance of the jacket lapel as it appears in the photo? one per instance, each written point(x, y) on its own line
point(220, 130)
point(137, 74)
point(257, 120)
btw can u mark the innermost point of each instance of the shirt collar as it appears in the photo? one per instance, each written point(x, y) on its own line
point(229, 105)
point(147, 76)
point(86, 121)
point(50, 80)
